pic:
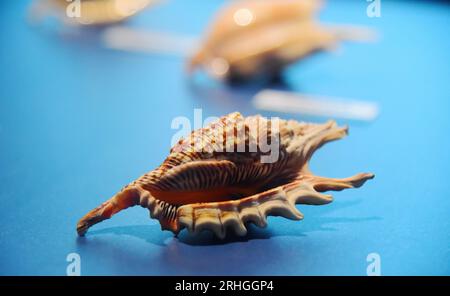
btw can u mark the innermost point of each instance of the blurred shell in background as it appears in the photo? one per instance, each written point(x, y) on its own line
point(89, 12)
point(251, 38)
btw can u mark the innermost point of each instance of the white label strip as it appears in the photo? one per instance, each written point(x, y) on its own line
point(144, 41)
point(289, 102)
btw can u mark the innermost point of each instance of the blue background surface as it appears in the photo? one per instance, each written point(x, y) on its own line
point(77, 122)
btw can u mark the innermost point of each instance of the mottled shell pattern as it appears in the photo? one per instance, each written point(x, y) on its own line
point(249, 38)
point(202, 186)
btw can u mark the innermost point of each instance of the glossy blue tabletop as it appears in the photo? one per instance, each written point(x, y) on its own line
point(78, 121)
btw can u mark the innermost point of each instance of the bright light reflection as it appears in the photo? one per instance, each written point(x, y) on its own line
point(243, 17)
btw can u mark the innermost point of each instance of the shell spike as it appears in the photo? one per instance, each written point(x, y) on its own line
point(128, 197)
point(317, 135)
point(322, 184)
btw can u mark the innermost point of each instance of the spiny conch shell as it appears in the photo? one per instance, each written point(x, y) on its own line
point(202, 186)
point(252, 38)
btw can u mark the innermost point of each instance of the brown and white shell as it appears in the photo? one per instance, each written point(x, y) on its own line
point(252, 38)
point(217, 178)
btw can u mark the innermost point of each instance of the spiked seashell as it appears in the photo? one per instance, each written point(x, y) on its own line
point(235, 171)
point(252, 38)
